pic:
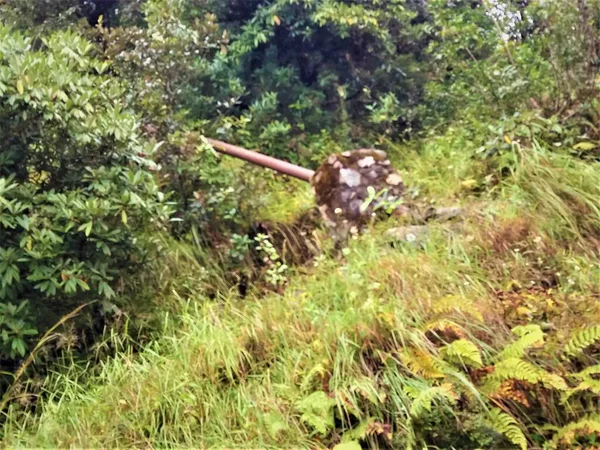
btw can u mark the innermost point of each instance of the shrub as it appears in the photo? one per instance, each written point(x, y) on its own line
point(77, 195)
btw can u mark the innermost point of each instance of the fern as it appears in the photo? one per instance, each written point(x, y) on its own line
point(444, 326)
point(569, 433)
point(530, 336)
point(453, 303)
point(506, 425)
point(423, 364)
point(585, 373)
point(463, 351)
point(589, 385)
point(581, 341)
point(425, 399)
point(517, 369)
point(317, 411)
point(512, 390)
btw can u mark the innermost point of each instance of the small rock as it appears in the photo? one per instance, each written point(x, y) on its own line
point(366, 162)
point(443, 214)
point(350, 177)
point(394, 179)
point(414, 233)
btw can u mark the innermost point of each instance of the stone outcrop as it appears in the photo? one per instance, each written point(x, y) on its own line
point(341, 189)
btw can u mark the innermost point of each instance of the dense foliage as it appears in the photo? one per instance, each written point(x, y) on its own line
point(78, 197)
point(484, 334)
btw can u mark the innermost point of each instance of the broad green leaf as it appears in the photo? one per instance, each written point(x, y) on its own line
point(86, 227)
point(18, 345)
point(82, 284)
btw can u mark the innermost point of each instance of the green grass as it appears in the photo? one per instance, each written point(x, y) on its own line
point(394, 345)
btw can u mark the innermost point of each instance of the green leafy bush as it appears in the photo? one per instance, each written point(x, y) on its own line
point(42, 14)
point(77, 196)
point(300, 71)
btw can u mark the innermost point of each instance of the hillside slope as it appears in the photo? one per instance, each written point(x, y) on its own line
point(483, 333)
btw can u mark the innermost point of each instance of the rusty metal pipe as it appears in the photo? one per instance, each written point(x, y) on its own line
point(262, 160)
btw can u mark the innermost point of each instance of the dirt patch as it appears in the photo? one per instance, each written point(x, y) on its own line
point(295, 242)
point(509, 234)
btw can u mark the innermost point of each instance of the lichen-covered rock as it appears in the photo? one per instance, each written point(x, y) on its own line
point(341, 187)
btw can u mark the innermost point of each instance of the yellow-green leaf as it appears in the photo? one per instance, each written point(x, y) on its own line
point(124, 217)
point(469, 184)
point(352, 445)
point(585, 146)
point(86, 227)
point(20, 87)
point(464, 351)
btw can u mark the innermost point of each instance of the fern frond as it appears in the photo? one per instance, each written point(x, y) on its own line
point(530, 336)
point(423, 364)
point(463, 351)
point(589, 385)
point(517, 369)
point(424, 401)
point(506, 425)
point(512, 390)
point(583, 427)
point(585, 373)
point(317, 411)
point(581, 341)
point(455, 303)
point(444, 326)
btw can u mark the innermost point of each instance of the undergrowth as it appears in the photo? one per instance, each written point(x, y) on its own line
point(485, 335)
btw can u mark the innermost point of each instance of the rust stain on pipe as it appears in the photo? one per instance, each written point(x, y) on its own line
point(262, 160)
